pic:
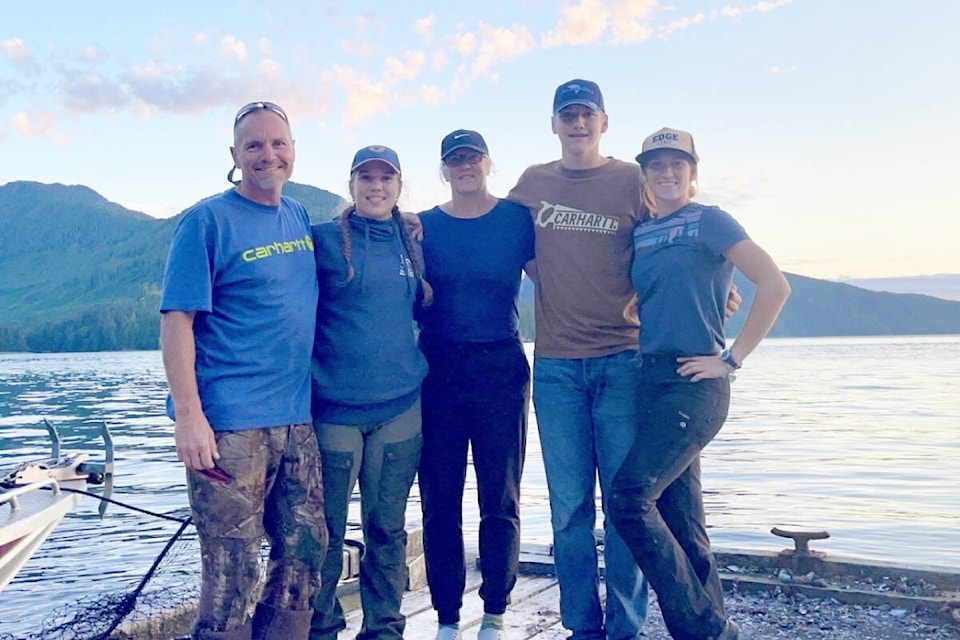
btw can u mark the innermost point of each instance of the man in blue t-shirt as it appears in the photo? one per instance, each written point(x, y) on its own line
point(239, 303)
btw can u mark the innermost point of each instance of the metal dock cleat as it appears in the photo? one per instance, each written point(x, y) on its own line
point(800, 559)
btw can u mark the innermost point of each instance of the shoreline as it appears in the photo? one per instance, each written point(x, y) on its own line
point(767, 592)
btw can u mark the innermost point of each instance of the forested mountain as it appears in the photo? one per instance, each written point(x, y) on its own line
point(80, 273)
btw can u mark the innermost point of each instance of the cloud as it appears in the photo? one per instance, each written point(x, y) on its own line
point(16, 51)
point(177, 90)
point(498, 44)
point(364, 98)
point(431, 94)
point(408, 69)
point(759, 7)
point(424, 26)
point(464, 43)
point(763, 7)
point(630, 23)
point(230, 46)
point(630, 32)
point(358, 47)
point(438, 60)
point(582, 23)
point(93, 92)
point(92, 54)
point(408, 98)
point(157, 45)
point(264, 46)
point(41, 125)
point(200, 38)
point(269, 69)
point(589, 21)
point(683, 23)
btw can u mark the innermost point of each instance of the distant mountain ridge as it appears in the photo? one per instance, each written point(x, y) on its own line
point(81, 273)
point(940, 285)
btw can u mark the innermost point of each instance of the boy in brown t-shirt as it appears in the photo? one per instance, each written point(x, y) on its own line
point(585, 372)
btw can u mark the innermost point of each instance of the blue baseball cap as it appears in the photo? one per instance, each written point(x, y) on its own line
point(378, 153)
point(578, 92)
point(462, 139)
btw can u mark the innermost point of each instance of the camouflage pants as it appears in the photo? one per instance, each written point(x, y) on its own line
point(275, 491)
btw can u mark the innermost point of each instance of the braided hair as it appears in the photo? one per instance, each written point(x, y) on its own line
point(425, 297)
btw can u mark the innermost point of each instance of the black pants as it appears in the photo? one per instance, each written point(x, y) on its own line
point(657, 502)
point(476, 393)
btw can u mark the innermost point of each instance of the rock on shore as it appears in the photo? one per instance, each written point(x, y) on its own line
point(776, 616)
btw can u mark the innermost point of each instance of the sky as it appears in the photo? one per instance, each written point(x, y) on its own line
point(828, 129)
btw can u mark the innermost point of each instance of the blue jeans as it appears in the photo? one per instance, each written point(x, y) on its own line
point(587, 412)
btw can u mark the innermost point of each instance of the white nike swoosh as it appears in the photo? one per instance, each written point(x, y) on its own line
point(460, 135)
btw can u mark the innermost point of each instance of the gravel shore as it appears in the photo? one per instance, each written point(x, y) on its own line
point(774, 615)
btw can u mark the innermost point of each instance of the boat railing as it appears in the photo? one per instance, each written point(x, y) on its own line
point(11, 495)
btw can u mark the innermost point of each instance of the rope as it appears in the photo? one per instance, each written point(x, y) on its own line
point(125, 505)
point(130, 599)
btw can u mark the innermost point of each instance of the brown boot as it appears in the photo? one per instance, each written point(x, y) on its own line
point(281, 624)
point(243, 633)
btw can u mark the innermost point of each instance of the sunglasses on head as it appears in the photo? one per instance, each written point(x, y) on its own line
point(256, 106)
point(458, 159)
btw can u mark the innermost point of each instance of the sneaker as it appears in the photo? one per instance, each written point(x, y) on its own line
point(448, 633)
point(491, 633)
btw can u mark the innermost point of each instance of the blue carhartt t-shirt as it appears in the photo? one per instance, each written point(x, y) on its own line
point(367, 367)
point(682, 279)
point(475, 266)
point(247, 270)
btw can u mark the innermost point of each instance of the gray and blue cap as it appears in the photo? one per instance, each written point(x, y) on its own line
point(375, 153)
point(578, 92)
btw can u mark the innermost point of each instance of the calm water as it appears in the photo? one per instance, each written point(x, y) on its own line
point(859, 436)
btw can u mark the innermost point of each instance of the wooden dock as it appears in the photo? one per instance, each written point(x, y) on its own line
point(534, 610)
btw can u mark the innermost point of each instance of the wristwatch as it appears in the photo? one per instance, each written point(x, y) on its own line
point(728, 359)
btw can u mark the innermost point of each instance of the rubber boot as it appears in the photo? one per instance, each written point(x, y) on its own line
point(281, 624)
point(243, 633)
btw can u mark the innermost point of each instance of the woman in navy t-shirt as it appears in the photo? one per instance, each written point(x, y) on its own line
point(684, 256)
point(478, 388)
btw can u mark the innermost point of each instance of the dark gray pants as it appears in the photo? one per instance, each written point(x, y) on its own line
point(384, 459)
point(657, 502)
point(476, 395)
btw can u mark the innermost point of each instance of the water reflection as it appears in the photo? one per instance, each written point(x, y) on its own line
point(822, 433)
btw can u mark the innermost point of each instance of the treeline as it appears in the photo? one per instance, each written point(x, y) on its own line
point(122, 328)
point(116, 327)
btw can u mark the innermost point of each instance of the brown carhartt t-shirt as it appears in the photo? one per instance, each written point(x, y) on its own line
point(584, 223)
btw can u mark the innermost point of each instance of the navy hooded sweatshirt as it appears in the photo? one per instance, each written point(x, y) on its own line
point(367, 368)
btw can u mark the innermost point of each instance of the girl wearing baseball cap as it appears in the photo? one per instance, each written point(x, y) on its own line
point(367, 374)
point(477, 391)
point(684, 256)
